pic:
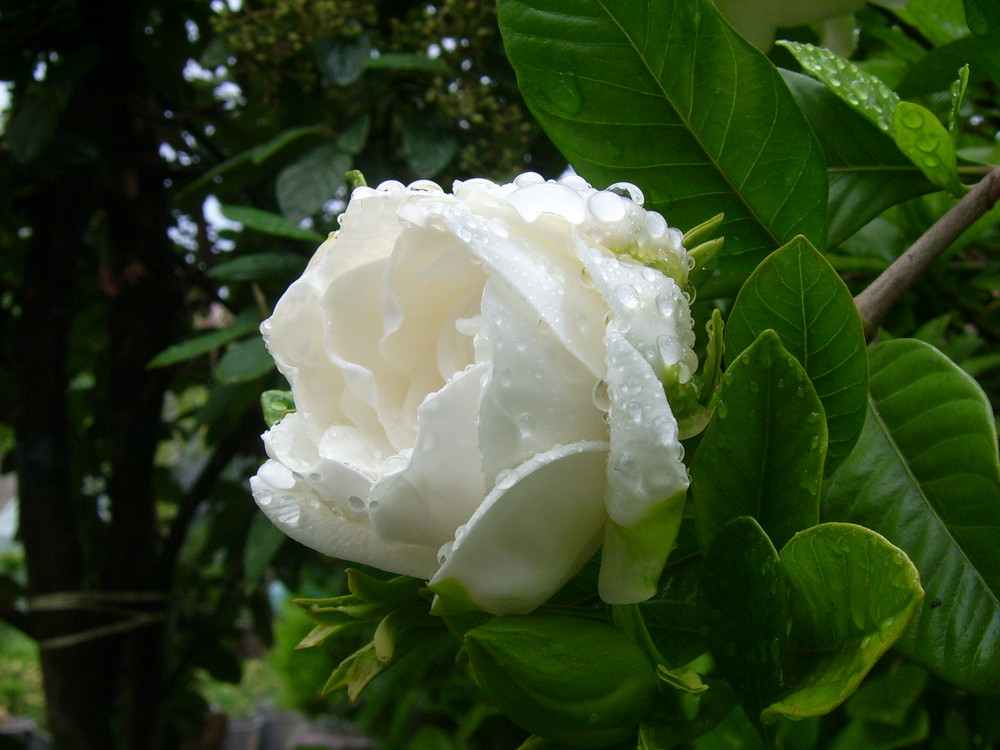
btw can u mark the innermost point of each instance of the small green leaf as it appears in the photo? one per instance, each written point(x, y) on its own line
point(303, 187)
point(863, 92)
point(247, 322)
point(743, 608)
point(342, 61)
point(955, 111)
point(246, 360)
point(925, 475)
point(852, 595)
point(275, 405)
point(922, 137)
point(403, 629)
point(940, 21)
point(796, 293)
point(268, 223)
point(762, 454)
point(259, 266)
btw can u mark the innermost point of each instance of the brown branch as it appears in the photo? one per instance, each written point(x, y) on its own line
point(874, 302)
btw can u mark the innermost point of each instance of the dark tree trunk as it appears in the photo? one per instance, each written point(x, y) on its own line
point(104, 689)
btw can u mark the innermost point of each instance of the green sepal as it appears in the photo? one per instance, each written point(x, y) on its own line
point(374, 590)
point(275, 405)
point(355, 179)
point(704, 231)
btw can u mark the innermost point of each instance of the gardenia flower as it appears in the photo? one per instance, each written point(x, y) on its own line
point(758, 20)
point(477, 382)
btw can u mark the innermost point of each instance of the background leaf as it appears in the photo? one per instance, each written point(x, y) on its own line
point(668, 96)
point(259, 266)
point(743, 606)
point(796, 293)
point(852, 595)
point(304, 186)
point(762, 453)
point(925, 475)
point(268, 223)
point(867, 171)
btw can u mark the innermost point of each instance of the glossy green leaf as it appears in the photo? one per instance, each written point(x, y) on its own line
point(304, 186)
point(259, 266)
point(268, 223)
point(669, 97)
point(796, 293)
point(867, 171)
point(983, 18)
point(247, 322)
point(921, 136)
point(852, 595)
point(743, 608)
point(957, 92)
point(762, 454)
point(940, 21)
point(374, 590)
point(861, 91)
point(246, 360)
point(925, 475)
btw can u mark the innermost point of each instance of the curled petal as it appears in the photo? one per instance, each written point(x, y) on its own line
point(531, 534)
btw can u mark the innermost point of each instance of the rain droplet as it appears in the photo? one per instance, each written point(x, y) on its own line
point(607, 207)
point(600, 396)
point(563, 93)
point(634, 410)
point(288, 513)
point(355, 503)
point(586, 279)
point(627, 296)
point(525, 425)
point(505, 378)
point(499, 227)
point(665, 304)
point(628, 190)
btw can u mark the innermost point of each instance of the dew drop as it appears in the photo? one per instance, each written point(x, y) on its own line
point(563, 93)
point(289, 513)
point(444, 552)
point(627, 296)
point(634, 410)
point(525, 425)
point(628, 190)
point(669, 348)
point(607, 207)
point(656, 225)
point(600, 396)
point(505, 378)
point(665, 304)
point(528, 178)
point(355, 503)
point(498, 227)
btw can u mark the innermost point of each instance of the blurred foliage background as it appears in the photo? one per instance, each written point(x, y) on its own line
point(166, 169)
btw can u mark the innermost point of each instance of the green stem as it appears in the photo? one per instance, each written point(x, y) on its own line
point(875, 301)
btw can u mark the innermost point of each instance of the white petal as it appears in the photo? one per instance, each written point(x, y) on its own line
point(538, 394)
point(529, 537)
point(645, 464)
point(650, 308)
point(536, 261)
point(301, 514)
point(443, 483)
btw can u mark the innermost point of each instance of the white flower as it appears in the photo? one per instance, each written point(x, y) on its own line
point(758, 20)
point(478, 395)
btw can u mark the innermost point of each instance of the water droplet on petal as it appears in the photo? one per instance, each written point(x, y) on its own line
point(600, 396)
point(628, 190)
point(355, 503)
point(526, 425)
point(627, 296)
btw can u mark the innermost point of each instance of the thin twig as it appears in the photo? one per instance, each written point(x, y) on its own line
point(875, 301)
